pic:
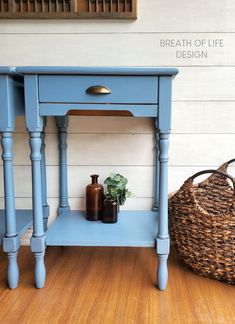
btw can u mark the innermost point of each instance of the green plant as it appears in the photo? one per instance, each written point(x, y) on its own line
point(116, 188)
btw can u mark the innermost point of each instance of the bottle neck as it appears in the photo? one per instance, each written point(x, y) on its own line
point(94, 178)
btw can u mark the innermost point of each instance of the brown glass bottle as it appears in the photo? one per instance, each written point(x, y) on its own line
point(110, 211)
point(94, 199)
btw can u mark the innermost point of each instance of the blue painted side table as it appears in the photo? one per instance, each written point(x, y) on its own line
point(12, 222)
point(142, 91)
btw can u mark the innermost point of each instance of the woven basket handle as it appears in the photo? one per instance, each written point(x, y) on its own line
point(214, 171)
point(218, 172)
point(225, 165)
point(231, 161)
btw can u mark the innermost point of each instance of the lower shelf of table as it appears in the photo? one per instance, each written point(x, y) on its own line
point(23, 221)
point(134, 228)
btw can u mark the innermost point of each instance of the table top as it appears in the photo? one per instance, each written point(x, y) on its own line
point(7, 70)
point(11, 71)
point(132, 70)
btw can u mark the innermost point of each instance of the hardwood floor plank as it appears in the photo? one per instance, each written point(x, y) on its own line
point(96, 285)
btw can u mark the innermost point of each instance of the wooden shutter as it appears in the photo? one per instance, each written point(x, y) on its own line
point(68, 9)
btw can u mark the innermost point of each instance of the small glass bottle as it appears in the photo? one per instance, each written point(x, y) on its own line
point(110, 211)
point(94, 199)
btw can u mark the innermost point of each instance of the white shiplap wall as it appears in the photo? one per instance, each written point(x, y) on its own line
point(203, 99)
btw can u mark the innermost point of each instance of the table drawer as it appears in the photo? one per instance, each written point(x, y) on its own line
point(98, 89)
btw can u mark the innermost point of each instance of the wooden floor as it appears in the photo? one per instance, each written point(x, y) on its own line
point(113, 286)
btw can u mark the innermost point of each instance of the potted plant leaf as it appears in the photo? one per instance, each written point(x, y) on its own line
point(116, 194)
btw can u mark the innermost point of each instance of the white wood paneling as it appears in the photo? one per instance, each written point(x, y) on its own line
point(205, 117)
point(218, 118)
point(20, 126)
point(101, 149)
point(153, 16)
point(110, 125)
point(201, 149)
point(111, 148)
point(205, 83)
point(104, 49)
point(93, 149)
point(132, 149)
point(97, 125)
point(140, 179)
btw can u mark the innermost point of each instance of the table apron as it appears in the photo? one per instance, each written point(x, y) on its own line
point(61, 109)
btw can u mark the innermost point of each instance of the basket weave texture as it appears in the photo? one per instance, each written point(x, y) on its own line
point(202, 225)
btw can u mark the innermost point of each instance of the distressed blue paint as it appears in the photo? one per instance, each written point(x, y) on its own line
point(23, 221)
point(132, 70)
point(164, 116)
point(8, 70)
point(7, 157)
point(134, 228)
point(163, 202)
point(157, 168)
point(18, 100)
point(7, 110)
point(62, 124)
point(34, 121)
point(35, 156)
point(163, 236)
point(35, 124)
point(12, 270)
point(162, 271)
point(38, 230)
point(38, 243)
point(11, 101)
point(164, 125)
point(39, 269)
point(62, 109)
point(46, 210)
point(11, 240)
point(11, 104)
point(148, 94)
point(11, 243)
point(12, 222)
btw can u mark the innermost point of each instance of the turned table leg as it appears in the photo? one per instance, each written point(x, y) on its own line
point(163, 236)
point(62, 124)
point(157, 169)
point(46, 209)
point(38, 244)
point(11, 242)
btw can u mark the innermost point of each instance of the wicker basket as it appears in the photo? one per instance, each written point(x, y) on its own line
point(218, 181)
point(202, 224)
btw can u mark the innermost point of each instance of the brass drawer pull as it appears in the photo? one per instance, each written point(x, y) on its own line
point(98, 90)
